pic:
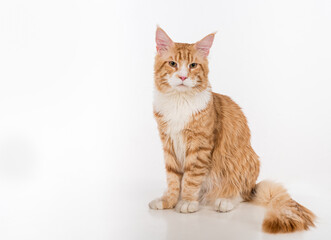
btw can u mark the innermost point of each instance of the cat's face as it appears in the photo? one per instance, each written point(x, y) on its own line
point(181, 67)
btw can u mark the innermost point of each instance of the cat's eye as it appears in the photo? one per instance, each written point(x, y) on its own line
point(173, 64)
point(193, 65)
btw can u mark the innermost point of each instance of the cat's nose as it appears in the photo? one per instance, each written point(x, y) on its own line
point(182, 77)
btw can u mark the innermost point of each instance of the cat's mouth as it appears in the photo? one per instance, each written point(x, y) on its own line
point(182, 87)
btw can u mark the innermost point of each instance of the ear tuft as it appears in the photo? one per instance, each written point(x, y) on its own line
point(205, 44)
point(163, 41)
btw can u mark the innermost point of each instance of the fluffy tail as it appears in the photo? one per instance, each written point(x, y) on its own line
point(283, 214)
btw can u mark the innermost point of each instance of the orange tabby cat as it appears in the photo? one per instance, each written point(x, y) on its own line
point(206, 142)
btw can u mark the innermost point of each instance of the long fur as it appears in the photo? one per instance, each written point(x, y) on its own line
point(283, 213)
point(206, 142)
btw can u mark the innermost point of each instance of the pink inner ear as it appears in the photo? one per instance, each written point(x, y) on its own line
point(205, 44)
point(163, 41)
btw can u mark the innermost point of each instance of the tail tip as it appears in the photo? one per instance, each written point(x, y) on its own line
point(301, 219)
point(288, 226)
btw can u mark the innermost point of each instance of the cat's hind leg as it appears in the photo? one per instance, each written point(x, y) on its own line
point(227, 204)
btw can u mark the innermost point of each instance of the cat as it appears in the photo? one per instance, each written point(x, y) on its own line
point(206, 142)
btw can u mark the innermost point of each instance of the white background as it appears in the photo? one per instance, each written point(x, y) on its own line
point(80, 156)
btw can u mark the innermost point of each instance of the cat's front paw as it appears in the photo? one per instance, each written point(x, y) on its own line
point(187, 206)
point(156, 204)
point(162, 203)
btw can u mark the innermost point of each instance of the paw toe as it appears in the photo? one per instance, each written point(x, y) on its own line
point(187, 206)
point(156, 204)
point(223, 205)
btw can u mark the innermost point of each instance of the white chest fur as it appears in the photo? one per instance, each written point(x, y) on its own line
point(177, 110)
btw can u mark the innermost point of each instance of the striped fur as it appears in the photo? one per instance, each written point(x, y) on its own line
point(206, 142)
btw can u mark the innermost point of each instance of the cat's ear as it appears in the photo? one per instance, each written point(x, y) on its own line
point(163, 41)
point(204, 45)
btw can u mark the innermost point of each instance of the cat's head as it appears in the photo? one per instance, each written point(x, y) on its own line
point(181, 67)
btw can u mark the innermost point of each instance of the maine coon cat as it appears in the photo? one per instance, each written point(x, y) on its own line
point(206, 142)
